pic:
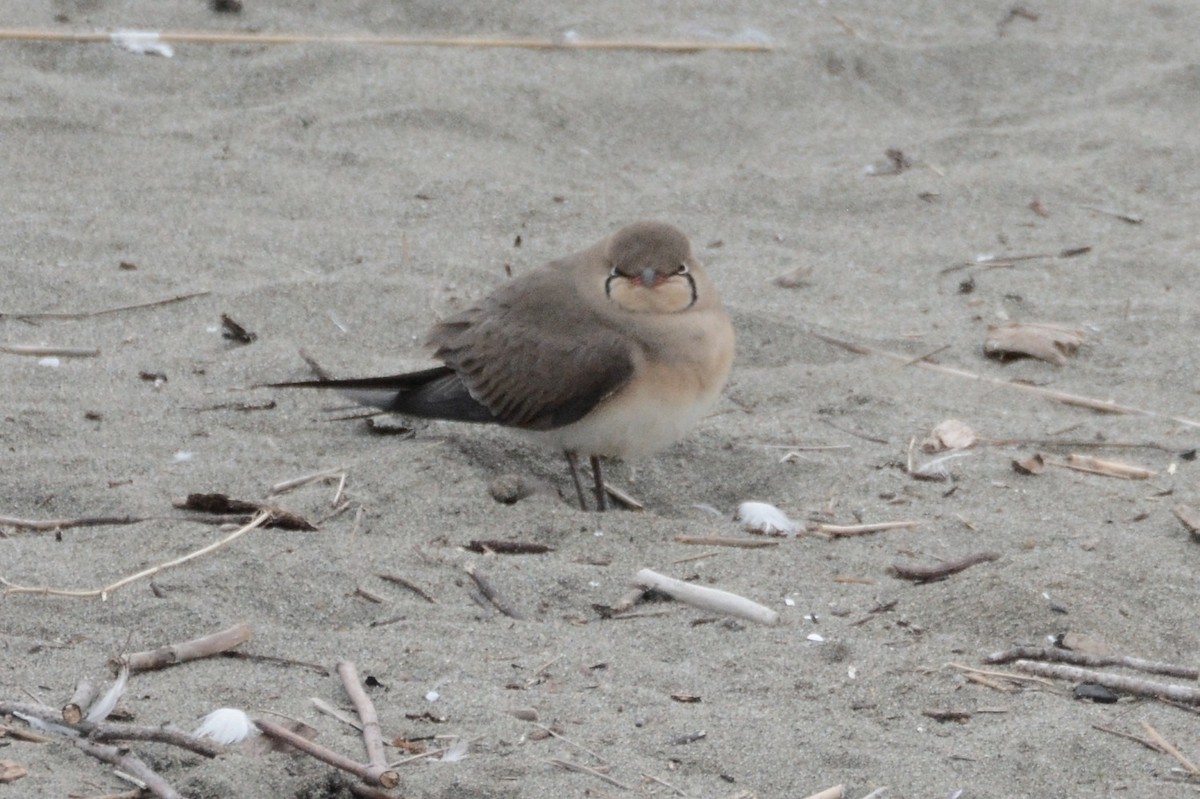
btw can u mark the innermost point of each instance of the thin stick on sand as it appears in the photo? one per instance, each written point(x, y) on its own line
point(848, 530)
point(836, 792)
point(49, 525)
point(600, 775)
point(44, 350)
point(1170, 749)
point(103, 311)
point(488, 590)
point(409, 584)
point(102, 593)
point(712, 599)
point(1183, 694)
point(130, 764)
point(205, 37)
point(1104, 406)
point(366, 773)
point(202, 647)
point(725, 541)
point(1054, 653)
point(371, 733)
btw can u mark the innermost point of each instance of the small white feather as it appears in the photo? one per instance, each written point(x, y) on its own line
point(455, 753)
point(226, 725)
point(104, 705)
point(764, 518)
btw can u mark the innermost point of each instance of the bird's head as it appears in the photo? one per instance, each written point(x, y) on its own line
point(651, 269)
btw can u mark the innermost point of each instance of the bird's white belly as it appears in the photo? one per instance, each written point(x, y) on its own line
point(644, 419)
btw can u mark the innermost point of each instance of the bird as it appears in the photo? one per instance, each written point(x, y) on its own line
point(615, 351)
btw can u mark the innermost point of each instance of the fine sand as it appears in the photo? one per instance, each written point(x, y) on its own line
point(338, 198)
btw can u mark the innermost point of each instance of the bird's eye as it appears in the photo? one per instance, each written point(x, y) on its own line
point(682, 270)
point(614, 272)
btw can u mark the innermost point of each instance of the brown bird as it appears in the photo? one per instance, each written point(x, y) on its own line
point(616, 351)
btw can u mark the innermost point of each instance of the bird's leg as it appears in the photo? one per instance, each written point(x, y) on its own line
point(573, 463)
point(601, 492)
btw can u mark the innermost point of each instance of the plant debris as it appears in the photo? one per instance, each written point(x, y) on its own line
point(1045, 341)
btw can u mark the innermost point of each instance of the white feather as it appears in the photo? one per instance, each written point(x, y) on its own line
point(105, 704)
point(226, 725)
point(764, 518)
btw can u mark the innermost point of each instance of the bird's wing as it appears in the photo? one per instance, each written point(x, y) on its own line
point(535, 353)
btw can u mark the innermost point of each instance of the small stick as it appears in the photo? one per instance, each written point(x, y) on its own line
point(77, 705)
point(410, 585)
point(665, 784)
point(368, 774)
point(317, 667)
point(297, 482)
point(724, 541)
point(566, 740)
point(1061, 655)
point(62, 352)
point(508, 547)
point(492, 595)
point(569, 766)
point(1170, 749)
point(102, 593)
point(847, 530)
point(130, 764)
point(836, 792)
point(372, 735)
point(207, 37)
point(1003, 675)
point(202, 647)
point(102, 312)
point(63, 524)
point(707, 598)
point(330, 710)
point(1104, 406)
point(1132, 685)
point(1146, 742)
point(940, 571)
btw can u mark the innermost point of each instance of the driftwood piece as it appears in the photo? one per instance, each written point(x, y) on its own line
point(501, 547)
point(47, 525)
point(1183, 694)
point(939, 571)
point(221, 504)
point(1058, 654)
point(371, 732)
point(705, 598)
point(85, 693)
point(130, 764)
point(202, 647)
point(409, 584)
point(363, 771)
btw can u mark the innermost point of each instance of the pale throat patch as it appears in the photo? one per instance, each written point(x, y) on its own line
point(676, 293)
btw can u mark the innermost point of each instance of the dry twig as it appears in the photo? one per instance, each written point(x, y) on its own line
point(489, 591)
point(372, 735)
point(102, 593)
point(1055, 653)
point(197, 648)
point(1132, 685)
point(366, 773)
point(130, 764)
point(1064, 397)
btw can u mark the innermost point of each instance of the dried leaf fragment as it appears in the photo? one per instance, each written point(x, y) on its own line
point(11, 771)
point(949, 435)
point(1034, 465)
point(1191, 519)
point(1042, 340)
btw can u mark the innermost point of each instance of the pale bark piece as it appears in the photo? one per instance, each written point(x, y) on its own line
point(949, 435)
point(1107, 468)
point(1044, 341)
point(11, 771)
point(712, 599)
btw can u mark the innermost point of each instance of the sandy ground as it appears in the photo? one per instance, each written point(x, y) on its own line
point(338, 198)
